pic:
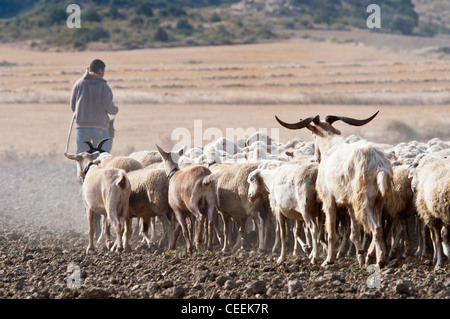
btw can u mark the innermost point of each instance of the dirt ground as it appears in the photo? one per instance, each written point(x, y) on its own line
point(43, 233)
point(43, 227)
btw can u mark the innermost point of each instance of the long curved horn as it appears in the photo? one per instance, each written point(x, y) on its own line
point(299, 125)
point(89, 144)
point(330, 119)
point(100, 144)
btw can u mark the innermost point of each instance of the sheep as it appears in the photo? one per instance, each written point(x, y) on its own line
point(399, 207)
point(126, 163)
point(146, 158)
point(260, 136)
point(232, 202)
point(431, 183)
point(292, 194)
point(191, 191)
point(223, 144)
point(105, 191)
point(355, 175)
point(149, 198)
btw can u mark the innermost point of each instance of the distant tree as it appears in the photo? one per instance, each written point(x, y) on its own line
point(402, 24)
point(161, 35)
point(56, 15)
point(183, 24)
point(91, 14)
point(145, 9)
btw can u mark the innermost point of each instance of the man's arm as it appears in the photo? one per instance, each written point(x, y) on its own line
point(108, 102)
point(73, 98)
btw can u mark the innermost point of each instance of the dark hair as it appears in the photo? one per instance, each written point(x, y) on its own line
point(97, 65)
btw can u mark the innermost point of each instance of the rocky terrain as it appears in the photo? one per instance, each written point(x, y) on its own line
point(43, 236)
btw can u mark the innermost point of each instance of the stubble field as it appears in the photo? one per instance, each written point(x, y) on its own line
point(43, 228)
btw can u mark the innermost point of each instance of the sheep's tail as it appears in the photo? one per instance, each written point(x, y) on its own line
point(209, 179)
point(122, 181)
point(384, 182)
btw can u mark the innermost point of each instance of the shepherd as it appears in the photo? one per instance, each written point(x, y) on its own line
point(91, 102)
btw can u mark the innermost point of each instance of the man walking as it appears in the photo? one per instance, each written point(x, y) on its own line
point(92, 101)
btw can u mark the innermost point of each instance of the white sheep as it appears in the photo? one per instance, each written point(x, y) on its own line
point(105, 191)
point(431, 183)
point(292, 194)
point(232, 202)
point(148, 199)
point(146, 158)
point(355, 175)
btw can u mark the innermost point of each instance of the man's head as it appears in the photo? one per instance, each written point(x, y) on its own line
point(98, 67)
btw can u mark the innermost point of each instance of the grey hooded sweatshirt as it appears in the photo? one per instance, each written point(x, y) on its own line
point(92, 101)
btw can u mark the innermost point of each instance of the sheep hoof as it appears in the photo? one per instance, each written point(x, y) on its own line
point(280, 260)
point(327, 262)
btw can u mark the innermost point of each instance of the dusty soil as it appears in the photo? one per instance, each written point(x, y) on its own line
point(43, 233)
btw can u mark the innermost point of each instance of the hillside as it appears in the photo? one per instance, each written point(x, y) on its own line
point(126, 24)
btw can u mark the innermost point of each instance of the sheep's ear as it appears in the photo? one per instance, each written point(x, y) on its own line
point(70, 156)
point(160, 150)
point(252, 177)
point(291, 154)
point(183, 150)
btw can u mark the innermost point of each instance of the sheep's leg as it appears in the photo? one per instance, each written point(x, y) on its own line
point(176, 233)
point(152, 224)
point(377, 234)
point(296, 231)
point(182, 223)
point(345, 231)
point(313, 229)
point(395, 232)
point(217, 230)
point(260, 223)
point(298, 227)
point(422, 230)
point(98, 226)
point(355, 231)
point(436, 238)
point(211, 224)
point(330, 224)
point(91, 221)
point(276, 244)
point(199, 232)
point(282, 224)
point(127, 234)
point(144, 230)
point(445, 244)
point(242, 224)
point(166, 227)
point(226, 232)
point(377, 245)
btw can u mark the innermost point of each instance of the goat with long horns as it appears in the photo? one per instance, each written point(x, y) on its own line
point(357, 176)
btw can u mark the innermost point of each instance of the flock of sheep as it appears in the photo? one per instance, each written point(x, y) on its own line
point(329, 187)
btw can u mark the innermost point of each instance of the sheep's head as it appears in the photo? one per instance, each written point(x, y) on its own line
point(83, 161)
point(324, 129)
point(99, 149)
point(256, 188)
point(170, 159)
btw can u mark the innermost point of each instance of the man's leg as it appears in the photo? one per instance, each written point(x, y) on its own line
point(99, 135)
point(83, 134)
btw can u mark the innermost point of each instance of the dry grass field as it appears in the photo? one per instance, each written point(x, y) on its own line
point(242, 86)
